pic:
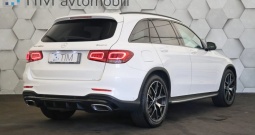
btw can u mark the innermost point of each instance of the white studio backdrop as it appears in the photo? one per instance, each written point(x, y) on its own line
point(228, 23)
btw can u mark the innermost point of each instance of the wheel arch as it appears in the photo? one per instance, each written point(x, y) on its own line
point(162, 72)
point(232, 68)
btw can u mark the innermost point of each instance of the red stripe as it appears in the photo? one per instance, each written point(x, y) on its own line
point(104, 90)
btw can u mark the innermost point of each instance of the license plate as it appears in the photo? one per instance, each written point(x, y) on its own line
point(64, 58)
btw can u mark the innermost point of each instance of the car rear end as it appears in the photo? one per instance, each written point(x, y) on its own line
point(74, 67)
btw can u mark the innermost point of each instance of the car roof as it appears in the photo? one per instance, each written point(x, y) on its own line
point(117, 16)
point(151, 15)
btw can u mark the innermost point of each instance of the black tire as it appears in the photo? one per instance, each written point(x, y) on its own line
point(154, 103)
point(227, 91)
point(57, 114)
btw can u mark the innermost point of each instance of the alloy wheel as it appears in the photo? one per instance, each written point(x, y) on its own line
point(156, 101)
point(229, 87)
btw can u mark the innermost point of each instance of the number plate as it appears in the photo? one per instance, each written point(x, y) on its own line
point(65, 58)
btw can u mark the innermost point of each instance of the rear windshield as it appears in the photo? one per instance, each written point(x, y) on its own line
point(81, 30)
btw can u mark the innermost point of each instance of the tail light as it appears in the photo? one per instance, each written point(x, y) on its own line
point(111, 56)
point(28, 86)
point(34, 56)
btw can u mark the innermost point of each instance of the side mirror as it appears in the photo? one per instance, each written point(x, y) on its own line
point(211, 46)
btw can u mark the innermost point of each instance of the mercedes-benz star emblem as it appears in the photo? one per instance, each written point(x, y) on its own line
point(64, 45)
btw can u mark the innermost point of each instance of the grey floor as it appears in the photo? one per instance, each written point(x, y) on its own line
point(192, 118)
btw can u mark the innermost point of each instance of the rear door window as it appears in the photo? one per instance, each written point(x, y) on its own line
point(155, 31)
point(81, 30)
point(165, 32)
point(154, 37)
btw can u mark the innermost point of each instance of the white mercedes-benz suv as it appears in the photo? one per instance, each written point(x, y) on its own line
point(136, 62)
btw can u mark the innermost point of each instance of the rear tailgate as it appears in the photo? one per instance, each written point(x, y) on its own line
point(65, 49)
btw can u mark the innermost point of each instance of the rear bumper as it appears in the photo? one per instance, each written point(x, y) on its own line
point(123, 81)
point(79, 102)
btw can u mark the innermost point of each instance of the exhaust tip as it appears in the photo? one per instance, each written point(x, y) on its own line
point(101, 108)
point(30, 102)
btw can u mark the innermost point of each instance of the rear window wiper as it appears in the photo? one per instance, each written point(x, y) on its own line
point(51, 38)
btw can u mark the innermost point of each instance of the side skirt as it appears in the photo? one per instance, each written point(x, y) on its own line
point(187, 98)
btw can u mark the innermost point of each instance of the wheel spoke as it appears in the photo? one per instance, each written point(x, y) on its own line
point(150, 105)
point(160, 111)
point(150, 96)
point(226, 91)
point(156, 112)
point(231, 92)
point(152, 112)
point(229, 79)
point(157, 85)
point(232, 79)
point(153, 92)
point(226, 83)
point(161, 97)
point(160, 105)
point(225, 87)
point(156, 89)
point(160, 91)
point(231, 89)
point(226, 94)
point(230, 96)
point(231, 82)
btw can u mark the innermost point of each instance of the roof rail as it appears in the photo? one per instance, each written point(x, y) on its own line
point(150, 14)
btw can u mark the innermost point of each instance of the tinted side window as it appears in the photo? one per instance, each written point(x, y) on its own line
point(165, 32)
point(153, 34)
point(189, 38)
point(140, 33)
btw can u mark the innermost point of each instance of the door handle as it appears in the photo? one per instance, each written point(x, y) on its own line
point(193, 51)
point(164, 50)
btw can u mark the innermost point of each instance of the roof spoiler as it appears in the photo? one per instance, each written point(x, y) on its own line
point(118, 18)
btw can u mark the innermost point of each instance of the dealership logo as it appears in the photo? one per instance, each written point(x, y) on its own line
point(11, 2)
point(67, 2)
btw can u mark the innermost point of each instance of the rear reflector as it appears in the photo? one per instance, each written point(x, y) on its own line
point(34, 56)
point(103, 90)
point(111, 56)
point(28, 86)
